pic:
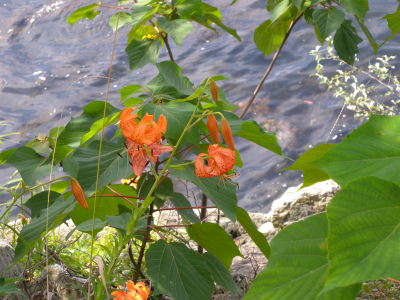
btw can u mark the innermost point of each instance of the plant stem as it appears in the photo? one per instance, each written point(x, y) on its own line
point(203, 213)
point(179, 208)
point(271, 65)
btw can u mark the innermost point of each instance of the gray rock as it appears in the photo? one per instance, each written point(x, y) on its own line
point(6, 257)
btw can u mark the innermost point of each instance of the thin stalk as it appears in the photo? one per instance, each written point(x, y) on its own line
point(271, 65)
point(179, 208)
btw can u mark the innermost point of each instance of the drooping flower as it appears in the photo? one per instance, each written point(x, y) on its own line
point(78, 193)
point(146, 132)
point(139, 157)
point(227, 133)
point(221, 161)
point(137, 291)
point(212, 126)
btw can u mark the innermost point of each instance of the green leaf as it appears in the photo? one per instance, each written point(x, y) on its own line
point(123, 19)
point(257, 237)
point(77, 127)
point(40, 147)
point(327, 21)
point(297, 3)
point(4, 155)
point(393, 21)
point(177, 29)
point(369, 36)
point(140, 30)
point(279, 10)
point(83, 12)
point(112, 166)
point(356, 7)
point(311, 174)
point(202, 21)
point(364, 235)
point(252, 132)
point(220, 273)
point(370, 150)
point(308, 16)
point(60, 186)
point(143, 13)
point(98, 126)
point(269, 36)
point(179, 200)
point(29, 165)
point(345, 42)
point(215, 240)
point(173, 76)
point(298, 264)
point(178, 271)
point(130, 90)
point(31, 232)
point(89, 227)
point(223, 196)
point(70, 166)
point(178, 116)
point(142, 52)
point(39, 201)
point(219, 23)
point(105, 206)
point(132, 102)
point(190, 7)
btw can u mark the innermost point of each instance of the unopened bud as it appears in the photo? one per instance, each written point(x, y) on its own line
point(212, 126)
point(214, 90)
point(78, 193)
point(227, 133)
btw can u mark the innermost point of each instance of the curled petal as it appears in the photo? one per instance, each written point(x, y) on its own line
point(126, 113)
point(162, 123)
point(212, 126)
point(202, 171)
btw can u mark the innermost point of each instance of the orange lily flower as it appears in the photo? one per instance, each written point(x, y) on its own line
point(138, 155)
point(146, 132)
point(222, 161)
point(137, 291)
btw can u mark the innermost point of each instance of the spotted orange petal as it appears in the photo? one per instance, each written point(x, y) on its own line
point(162, 123)
point(202, 171)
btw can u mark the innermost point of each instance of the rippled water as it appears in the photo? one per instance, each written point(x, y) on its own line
point(42, 55)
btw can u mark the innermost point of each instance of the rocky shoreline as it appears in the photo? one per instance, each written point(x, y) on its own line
point(293, 206)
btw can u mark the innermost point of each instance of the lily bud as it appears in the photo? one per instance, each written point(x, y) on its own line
point(212, 126)
point(227, 133)
point(78, 193)
point(214, 90)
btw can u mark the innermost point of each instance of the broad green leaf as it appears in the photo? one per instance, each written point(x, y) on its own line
point(132, 101)
point(308, 16)
point(257, 237)
point(298, 264)
point(130, 90)
point(4, 155)
point(252, 132)
point(89, 227)
point(188, 8)
point(41, 147)
point(178, 116)
point(122, 20)
point(369, 36)
point(179, 200)
point(34, 230)
point(315, 2)
point(70, 166)
point(173, 76)
point(215, 240)
point(142, 52)
point(77, 127)
point(10, 288)
point(159, 88)
point(269, 36)
point(202, 21)
point(370, 150)
point(219, 23)
point(29, 165)
point(177, 29)
point(311, 174)
point(98, 126)
point(297, 3)
point(364, 235)
point(220, 273)
point(346, 41)
point(178, 271)
point(393, 21)
point(60, 186)
point(327, 21)
point(39, 201)
point(279, 10)
point(105, 206)
point(142, 13)
point(83, 12)
point(222, 195)
point(140, 30)
point(112, 166)
point(356, 7)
